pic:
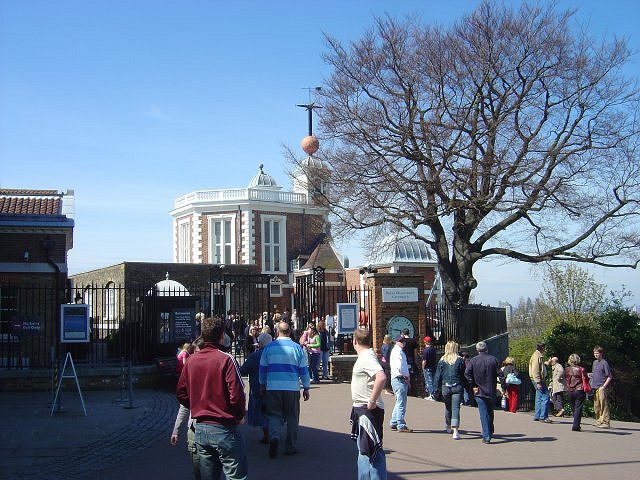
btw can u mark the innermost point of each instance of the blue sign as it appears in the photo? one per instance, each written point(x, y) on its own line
point(347, 314)
point(74, 323)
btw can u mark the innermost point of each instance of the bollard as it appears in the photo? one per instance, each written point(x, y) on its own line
point(130, 405)
point(122, 398)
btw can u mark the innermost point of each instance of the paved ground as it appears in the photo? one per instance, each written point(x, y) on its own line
point(113, 442)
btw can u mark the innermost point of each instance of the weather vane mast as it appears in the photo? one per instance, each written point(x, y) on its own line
point(310, 106)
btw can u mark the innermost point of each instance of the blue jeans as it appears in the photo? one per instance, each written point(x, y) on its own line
point(372, 468)
point(485, 409)
point(400, 390)
point(428, 380)
point(221, 448)
point(541, 410)
point(452, 398)
point(325, 363)
point(193, 453)
point(314, 364)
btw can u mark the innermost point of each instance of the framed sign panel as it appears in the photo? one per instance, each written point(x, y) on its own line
point(74, 323)
point(347, 314)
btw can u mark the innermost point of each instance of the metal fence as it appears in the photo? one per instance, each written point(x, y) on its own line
point(28, 317)
point(139, 324)
point(144, 323)
point(466, 325)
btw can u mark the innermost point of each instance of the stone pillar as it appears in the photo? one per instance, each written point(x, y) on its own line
point(398, 308)
point(382, 312)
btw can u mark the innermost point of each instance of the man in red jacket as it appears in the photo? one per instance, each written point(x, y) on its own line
point(211, 387)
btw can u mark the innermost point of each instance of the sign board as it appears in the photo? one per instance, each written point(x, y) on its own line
point(183, 324)
point(347, 314)
point(25, 325)
point(74, 323)
point(399, 295)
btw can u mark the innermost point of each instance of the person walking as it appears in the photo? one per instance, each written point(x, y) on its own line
point(367, 413)
point(400, 382)
point(184, 417)
point(449, 379)
point(510, 383)
point(283, 366)
point(325, 348)
point(481, 374)
point(181, 358)
point(538, 375)
point(313, 348)
point(429, 362)
point(601, 378)
point(411, 352)
point(251, 367)
point(557, 386)
point(211, 387)
point(385, 359)
point(575, 377)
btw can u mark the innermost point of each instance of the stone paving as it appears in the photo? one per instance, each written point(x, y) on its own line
point(113, 442)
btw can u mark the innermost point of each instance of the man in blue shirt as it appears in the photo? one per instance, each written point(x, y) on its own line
point(283, 366)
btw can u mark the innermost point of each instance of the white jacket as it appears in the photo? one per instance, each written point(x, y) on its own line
point(398, 362)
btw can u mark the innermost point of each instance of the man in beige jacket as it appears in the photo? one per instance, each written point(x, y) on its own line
point(538, 374)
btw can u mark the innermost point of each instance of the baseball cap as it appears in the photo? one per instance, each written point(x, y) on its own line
point(427, 339)
point(400, 338)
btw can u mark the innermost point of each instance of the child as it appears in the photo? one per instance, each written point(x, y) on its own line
point(182, 357)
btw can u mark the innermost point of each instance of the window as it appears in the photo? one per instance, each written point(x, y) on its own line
point(87, 297)
point(8, 308)
point(184, 242)
point(275, 286)
point(274, 244)
point(110, 302)
point(221, 246)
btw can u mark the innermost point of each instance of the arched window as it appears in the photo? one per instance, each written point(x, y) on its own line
point(111, 302)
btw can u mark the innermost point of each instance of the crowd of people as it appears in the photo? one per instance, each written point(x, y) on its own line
point(213, 402)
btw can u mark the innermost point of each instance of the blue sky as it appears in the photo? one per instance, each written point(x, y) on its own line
point(134, 103)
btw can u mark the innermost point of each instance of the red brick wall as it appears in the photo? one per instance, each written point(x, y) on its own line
point(13, 245)
point(301, 231)
point(382, 311)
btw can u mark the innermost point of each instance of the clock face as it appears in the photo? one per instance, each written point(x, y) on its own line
point(398, 323)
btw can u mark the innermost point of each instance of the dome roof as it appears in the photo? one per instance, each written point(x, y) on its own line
point(313, 162)
point(263, 180)
point(169, 288)
point(394, 249)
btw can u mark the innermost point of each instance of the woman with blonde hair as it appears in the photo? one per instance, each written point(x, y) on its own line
point(510, 383)
point(450, 381)
point(574, 375)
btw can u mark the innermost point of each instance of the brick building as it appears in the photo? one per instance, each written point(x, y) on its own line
point(36, 233)
point(278, 232)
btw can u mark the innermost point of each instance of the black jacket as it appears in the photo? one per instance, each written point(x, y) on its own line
point(482, 372)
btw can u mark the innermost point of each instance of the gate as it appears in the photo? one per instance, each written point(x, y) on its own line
point(310, 297)
point(248, 295)
point(314, 300)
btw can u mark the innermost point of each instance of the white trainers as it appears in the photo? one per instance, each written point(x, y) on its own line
point(456, 435)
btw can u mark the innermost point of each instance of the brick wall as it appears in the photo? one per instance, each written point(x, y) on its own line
point(302, 230)
point(13, 246)
point(383, 311)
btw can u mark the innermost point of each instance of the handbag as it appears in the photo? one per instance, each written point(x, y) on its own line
point(586, 387)
point(512, 379)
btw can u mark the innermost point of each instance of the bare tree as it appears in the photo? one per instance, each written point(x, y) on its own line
point(511, 133)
